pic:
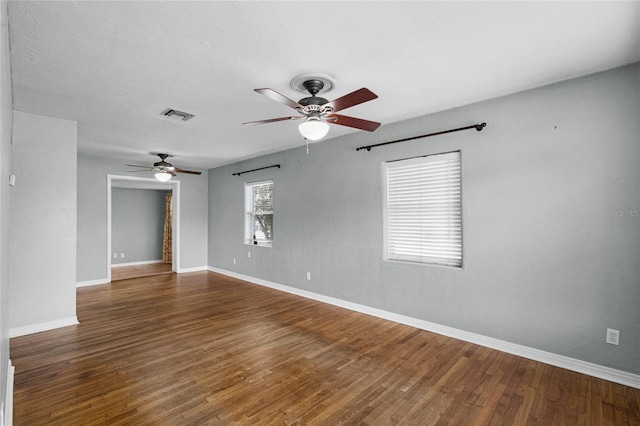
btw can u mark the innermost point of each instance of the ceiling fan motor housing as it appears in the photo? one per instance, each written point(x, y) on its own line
point(312, 100)
point(313, 103)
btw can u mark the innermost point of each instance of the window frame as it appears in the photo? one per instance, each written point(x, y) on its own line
point(456, 261)
point(249, 213)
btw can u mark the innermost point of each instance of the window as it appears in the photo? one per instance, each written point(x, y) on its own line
point(422, 214)
point(259, 213)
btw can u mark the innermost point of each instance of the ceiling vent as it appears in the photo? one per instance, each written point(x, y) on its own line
point(174, 114)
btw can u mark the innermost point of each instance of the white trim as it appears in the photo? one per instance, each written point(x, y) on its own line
point(42, 326)
point(175, 189)
point(7, 415)
point(194, 269)
point(584, 367)
point(249, 213)
point(92, 282)
point(144, 262)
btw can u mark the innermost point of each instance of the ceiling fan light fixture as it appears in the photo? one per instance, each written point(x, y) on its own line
point(163, 176)
point(313, 129)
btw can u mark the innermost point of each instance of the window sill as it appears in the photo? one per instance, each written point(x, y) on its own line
point(436, 265)
point(259, 245)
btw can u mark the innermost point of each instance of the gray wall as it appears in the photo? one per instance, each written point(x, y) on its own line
point(6, 121)
point(549, 263)
point(137, 224)
point(92, 216)
point(42, 279)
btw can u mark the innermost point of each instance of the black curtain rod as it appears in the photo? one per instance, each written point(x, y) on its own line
point(478, 127)
point(255, 170)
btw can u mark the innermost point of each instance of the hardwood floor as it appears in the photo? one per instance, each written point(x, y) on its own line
point(205, 349)
point(136, 271)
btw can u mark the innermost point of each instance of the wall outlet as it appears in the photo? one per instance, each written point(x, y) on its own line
point(309, 276)
point(234, 261)
point(121, 255)
point(613, 336)
point(248, 254)
point(115, 255)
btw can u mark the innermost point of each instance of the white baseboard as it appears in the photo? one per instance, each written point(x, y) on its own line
point(194, 269)
point(6, 414)
point(43, 326)
point(595, 370)
point(92, 282)
point(144, 262)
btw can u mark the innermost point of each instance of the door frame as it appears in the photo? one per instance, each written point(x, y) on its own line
point(154, 184)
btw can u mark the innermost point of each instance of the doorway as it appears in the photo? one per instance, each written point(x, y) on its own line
point(114, 181)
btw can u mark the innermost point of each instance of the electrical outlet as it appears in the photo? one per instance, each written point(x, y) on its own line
point(613, 336)
point(248, 254)
point(234, 261)
point(309, 276)
point(115, 255)
point(121, 255)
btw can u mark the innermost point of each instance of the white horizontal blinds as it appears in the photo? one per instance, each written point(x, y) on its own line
point(423, 210)
point(259, 213)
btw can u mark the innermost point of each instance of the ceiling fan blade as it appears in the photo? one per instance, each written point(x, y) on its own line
point(272, 120)
point(272, 94)
point(138, 171)
point(357, 123)
point(135, 165)
point(191, 172)
point(352, 99)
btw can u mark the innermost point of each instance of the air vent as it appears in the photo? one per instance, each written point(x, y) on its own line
point(174, 114)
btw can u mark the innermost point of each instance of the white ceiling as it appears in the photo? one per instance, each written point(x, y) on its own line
point(114, 66)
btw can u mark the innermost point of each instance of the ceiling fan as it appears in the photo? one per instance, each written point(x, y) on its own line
point(163, 170)
point(318, 111)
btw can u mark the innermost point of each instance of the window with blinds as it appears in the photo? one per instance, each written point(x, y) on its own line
point(259, 213)
point(423, 214)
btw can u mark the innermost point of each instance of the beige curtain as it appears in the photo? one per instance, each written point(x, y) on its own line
point(167, 241)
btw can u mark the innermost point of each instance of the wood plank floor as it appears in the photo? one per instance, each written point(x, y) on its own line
point(137, 271)
point(205, 349)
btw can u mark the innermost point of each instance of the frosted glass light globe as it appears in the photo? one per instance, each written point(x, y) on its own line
point(313, 129)
point(163, 176)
